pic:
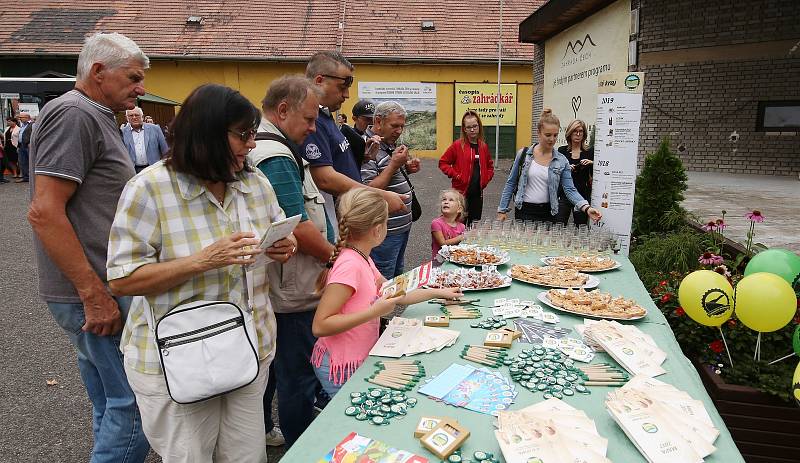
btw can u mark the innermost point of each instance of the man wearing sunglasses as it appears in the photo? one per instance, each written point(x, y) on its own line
point(333, 165)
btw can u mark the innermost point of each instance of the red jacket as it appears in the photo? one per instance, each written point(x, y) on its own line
point(456, 163)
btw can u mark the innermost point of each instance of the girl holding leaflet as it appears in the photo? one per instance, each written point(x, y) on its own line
point(347, 318)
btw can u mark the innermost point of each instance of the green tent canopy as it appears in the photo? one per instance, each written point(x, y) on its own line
point(150, 98)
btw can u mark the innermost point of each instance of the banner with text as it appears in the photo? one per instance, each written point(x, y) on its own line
point(619, 114)
point(575, 57)
point(482, 98)
point(419, 100)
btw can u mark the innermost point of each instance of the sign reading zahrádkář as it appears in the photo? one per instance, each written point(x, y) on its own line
point(483, 98)
point(616, 144)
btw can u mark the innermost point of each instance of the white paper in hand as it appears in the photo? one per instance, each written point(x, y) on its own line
point(276, 231)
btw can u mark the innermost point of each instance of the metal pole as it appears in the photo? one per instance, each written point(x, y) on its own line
point(499, 77)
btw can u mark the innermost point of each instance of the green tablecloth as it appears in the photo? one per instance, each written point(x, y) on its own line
point(333, 425)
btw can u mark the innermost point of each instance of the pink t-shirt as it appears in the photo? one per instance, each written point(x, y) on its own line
point(347, 350)
point(449, 231)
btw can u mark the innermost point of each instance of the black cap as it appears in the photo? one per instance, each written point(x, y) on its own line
point(364, 108)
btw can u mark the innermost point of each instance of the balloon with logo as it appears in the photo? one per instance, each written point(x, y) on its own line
point(796, 384)
point(765, 302)
point(781, 262)
point(707, 297)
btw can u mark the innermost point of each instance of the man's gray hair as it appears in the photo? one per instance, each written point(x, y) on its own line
point(326, 62)
point(389, 107)
point(112, 50)
point(136, 109)
point(293, 89)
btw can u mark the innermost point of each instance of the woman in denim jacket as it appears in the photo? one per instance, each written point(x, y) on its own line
point(536, 176)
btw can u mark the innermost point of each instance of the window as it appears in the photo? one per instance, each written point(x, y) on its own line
point(777, 116)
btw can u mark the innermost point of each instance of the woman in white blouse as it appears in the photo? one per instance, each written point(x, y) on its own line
point(536, 175)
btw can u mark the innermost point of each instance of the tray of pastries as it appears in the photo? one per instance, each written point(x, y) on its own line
point(586, 263)
point(469, 279)
point(594, 304)
point(470, 254)
point(553, 277)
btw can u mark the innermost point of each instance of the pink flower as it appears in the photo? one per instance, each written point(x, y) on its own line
point(720, 224)
point(722, 270)
point(709, 258)
point(754, 216)
point(710, 226)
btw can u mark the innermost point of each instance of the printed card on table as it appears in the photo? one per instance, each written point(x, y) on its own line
point(407, 282)
point(357, 448)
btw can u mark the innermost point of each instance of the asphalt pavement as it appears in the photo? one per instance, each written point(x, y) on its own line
point(44, 412)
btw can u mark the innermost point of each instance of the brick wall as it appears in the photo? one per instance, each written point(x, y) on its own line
point(674, 24)
point(701, 104)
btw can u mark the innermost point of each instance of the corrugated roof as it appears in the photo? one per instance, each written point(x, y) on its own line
point(271, 30)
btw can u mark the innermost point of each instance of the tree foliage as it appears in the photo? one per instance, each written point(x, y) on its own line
point(659, 192)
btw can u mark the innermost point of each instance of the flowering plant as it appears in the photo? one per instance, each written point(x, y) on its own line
point(754, 217)
point(706, 345)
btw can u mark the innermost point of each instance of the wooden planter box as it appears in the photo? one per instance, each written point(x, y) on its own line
point(765, 429)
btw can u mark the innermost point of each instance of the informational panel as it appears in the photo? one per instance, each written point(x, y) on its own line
point(577, 56)
point(419, 100)
point(483, 99)
point(619, 114)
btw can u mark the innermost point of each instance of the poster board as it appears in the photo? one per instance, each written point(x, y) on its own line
point(482, 98)
point(577, 56)
point(619, 115)
point(419, 101)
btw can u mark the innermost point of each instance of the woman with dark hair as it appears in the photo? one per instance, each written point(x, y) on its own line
point(10, 147)
point(469, 165)
point(178, 237)
point(580, 158)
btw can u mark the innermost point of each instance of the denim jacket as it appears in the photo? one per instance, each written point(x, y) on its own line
point(558, 174)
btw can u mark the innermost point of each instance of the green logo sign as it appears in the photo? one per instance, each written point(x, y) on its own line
point(632, 81)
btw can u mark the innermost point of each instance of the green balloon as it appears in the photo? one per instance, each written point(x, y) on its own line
point(781, 262)
point(796, 340)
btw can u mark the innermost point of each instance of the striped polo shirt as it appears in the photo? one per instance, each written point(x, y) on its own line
point(399, 222)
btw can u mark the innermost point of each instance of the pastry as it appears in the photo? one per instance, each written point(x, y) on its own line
point(595, 303)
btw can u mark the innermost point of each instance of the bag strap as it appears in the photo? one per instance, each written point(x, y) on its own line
point(297, 158)
point(520, 163)
point(402, 170)
point(244, 225)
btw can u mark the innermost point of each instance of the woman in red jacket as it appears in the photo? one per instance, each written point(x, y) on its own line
point(469, 165)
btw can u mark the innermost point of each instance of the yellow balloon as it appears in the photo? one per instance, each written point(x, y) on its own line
point(707, 297)
point(796, 384)
point(765, 302)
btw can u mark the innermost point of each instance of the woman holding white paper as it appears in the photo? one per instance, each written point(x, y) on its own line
point(183, 230)
point(347, 318)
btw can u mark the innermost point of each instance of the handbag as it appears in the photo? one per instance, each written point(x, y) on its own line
point(206, 348)
point(416, 209)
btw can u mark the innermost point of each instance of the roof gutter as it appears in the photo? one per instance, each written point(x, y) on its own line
point(303, 59)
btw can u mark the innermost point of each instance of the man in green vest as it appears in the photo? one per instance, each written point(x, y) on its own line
point(290, 109)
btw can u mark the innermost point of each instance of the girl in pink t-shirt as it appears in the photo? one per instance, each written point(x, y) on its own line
point(347, 318)
point(448, 227)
